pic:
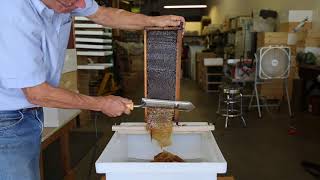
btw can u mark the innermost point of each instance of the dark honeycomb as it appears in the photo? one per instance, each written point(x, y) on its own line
point(161, 64)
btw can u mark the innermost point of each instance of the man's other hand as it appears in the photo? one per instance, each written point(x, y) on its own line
point(168, 20)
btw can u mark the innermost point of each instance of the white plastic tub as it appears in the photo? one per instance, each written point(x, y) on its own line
point(128, 156)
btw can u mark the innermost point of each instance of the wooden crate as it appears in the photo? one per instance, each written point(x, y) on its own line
point(312, 42)
point(313, 34)
point(310, 39)
point(272, 38)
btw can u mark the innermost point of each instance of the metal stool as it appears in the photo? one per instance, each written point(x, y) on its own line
point(231, 97)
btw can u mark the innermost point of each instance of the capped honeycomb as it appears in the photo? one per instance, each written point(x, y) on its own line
point(162, 79)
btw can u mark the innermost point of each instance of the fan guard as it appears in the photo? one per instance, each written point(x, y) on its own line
point(274, 62)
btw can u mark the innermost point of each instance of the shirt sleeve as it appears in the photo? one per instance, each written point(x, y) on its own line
point(91, 8)
point(21, 62)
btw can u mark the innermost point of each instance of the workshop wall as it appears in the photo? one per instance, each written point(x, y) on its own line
point(193, 27)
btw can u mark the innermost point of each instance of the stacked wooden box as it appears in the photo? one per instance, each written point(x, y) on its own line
point(312, 39)
point(209, 75)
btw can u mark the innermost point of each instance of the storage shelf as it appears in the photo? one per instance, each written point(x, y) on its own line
point(94, 53)
point(102, 33)
point(92, 46)
point(81, 18)
point(94, 40)
point(87, 25)
point(95, 66)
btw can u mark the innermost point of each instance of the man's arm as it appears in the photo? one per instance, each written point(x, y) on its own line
point(48, 96)
point(118, 18)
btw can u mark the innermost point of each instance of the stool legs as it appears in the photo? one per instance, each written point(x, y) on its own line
point(226, 122)
point(258, 101)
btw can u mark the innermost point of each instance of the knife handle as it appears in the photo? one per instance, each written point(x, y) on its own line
point(130, 106)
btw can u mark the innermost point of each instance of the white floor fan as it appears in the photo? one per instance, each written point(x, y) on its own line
point(272, 62)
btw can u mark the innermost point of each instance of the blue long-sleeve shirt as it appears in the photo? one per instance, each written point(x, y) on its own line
point(33, 42)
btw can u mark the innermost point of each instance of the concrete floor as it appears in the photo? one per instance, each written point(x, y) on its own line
point(263, 150)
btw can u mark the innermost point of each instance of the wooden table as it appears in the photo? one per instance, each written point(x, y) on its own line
point(61, 133)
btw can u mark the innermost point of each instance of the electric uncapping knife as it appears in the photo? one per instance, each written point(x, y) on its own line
point(166, 104)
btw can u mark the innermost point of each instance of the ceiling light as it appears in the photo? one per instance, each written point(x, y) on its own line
point(184, 6)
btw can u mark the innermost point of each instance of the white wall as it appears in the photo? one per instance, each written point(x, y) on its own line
point(220, 9)
point(317, 16)
point(193, 26)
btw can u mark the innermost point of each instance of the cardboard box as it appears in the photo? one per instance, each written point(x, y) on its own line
point(297, 39)
point(200, 65)
point(275, 89)
point(312, 42)
point(69, 81)
point(289, 27)
point(272, 38)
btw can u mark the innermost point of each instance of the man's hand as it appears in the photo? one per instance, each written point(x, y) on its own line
point(47, 96)
point(169, 20)
point(114, 106)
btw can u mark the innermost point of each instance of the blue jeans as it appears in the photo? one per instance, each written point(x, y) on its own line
point(20, 140)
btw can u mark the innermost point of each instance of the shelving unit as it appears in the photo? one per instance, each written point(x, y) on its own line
point(95, 52)
point(212, 78)
point(211, 73)
point(92, 39)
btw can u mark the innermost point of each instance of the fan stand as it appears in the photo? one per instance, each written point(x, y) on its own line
point(265, 104)
point(258, 81)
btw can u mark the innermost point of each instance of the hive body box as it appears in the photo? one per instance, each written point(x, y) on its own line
point(128, 155)
point(162, 59)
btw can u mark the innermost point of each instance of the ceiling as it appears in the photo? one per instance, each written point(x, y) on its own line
point(155, 7)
